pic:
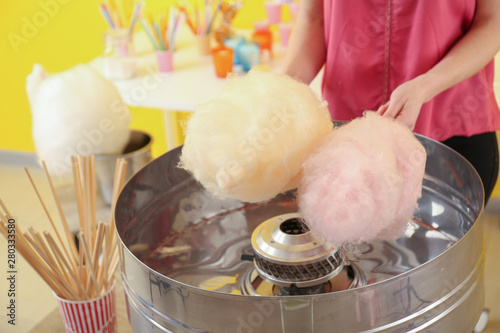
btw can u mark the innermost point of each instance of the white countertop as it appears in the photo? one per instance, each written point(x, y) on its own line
point(192, 82)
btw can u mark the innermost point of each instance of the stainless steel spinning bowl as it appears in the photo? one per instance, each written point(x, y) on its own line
point(182, 269)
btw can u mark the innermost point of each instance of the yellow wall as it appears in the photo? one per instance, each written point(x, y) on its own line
point(58, 34)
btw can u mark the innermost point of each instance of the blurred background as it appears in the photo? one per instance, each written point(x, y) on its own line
point(59, 34)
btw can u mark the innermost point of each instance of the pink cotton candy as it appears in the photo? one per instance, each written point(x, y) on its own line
point(362, 184)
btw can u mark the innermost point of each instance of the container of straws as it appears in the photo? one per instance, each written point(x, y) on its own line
point(119, 56)
point(118, 60)
point(200, 21)
point(162, 33)
point(81, 275)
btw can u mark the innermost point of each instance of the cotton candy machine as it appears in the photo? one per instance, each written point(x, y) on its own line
point(193, 263)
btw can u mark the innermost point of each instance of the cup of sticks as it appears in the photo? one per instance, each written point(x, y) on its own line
point(162, 34)
point(200, 22)
point(81, 275)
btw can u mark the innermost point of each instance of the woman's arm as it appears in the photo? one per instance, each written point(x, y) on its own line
point(306, 52)
point(472, 53)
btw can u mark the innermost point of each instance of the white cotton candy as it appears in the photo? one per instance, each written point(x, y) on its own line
point(75, 112)
point(362, 184)
point(249, 143)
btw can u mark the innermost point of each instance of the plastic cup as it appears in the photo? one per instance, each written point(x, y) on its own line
point(223, 61)
point(263, 36)
point(234, 43)
point(92, 316)
point(249, 55)
point(165, 61)
point(273, 10)
point(285, 29)
point(118, 61)
point(203, 44)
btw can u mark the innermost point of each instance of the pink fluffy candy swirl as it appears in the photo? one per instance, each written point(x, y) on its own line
point(362, 184)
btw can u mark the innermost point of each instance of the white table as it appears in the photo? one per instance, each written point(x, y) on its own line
point(192, 82)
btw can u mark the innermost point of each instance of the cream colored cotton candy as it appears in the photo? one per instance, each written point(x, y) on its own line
point(362, 184)
point(249, 143)
point(76, 112)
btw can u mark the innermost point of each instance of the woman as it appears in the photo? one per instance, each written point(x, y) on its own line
point(426, 63)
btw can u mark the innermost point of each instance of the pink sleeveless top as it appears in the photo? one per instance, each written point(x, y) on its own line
point(375, 45)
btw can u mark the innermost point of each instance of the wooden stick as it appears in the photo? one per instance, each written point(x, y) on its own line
point(97, 246)
point(4, 218)
point(106, 259)
point(89, 262)
point(92, 192)
point(103, 267)
point(47, 213)
point(84, 164)
point(81, 214)
point(37, 263)
point(58, 272)
point(69, 236)
point(5, 209)
point(3, 229)
point(121, 167)
point(96, 251)
point(82, 171)
point(114, 264)
point(78, 192)
point(81, 270)
point(58, 265)
point(72, 273)
point(38, 245)
point(34, 261)
point(119, 178)
point(56, 250)
point(43, 271)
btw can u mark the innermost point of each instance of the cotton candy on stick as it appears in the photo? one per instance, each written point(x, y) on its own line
point(362, 184)
point(249, 143)
point(75, 112)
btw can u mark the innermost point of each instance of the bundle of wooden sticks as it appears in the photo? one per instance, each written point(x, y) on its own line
point(73, 272)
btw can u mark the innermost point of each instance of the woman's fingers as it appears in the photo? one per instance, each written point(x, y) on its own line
point(382, 109)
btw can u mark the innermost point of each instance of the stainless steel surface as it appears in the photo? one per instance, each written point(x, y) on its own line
point(182, 270)
point(348, 277)
point(137, 154)
point(288, 254)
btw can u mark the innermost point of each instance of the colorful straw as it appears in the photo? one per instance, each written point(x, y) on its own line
point(200, 22)
point(135, 15)
point(121, 14)
point(162, 32)
point(149, 33)
point(107, 16)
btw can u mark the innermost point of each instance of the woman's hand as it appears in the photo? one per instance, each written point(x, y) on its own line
point(467, 57)
point(405, 102)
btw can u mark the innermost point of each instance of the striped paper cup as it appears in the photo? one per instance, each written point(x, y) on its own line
point(91, 316)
